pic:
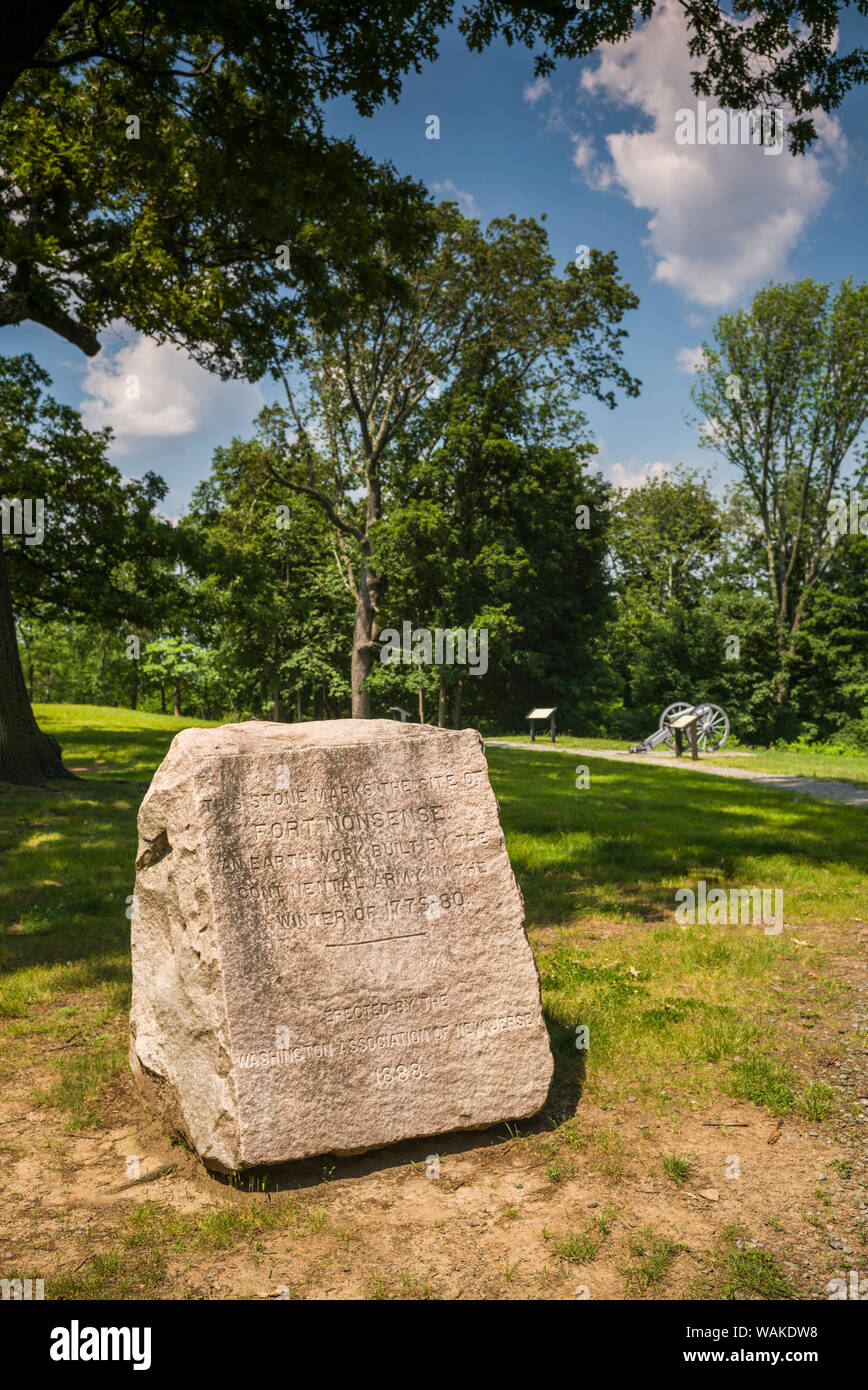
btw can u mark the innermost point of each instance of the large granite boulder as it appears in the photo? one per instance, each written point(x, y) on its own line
point(328, 943)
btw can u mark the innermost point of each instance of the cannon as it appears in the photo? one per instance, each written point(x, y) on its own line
point(712, 727)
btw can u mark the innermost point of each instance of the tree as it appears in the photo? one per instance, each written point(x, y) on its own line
point(831, 696)
point(778, 55)
point(79, 661)
point(93, 545)
point(174, 662)
point(663, 544)
point(765, 60)
point(483, 304)
point(663, 539)
point(784, 388)
point(494, 523)
point(120, 196)
point(269, 599)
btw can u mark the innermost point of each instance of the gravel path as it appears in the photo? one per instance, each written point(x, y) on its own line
point(844, 792)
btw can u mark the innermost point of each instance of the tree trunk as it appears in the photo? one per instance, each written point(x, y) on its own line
point(176, 697)
point(785, 675)
point(276, 692)
point(100, 676)
point(134, 693)
point(298, 706)
point(29, 651)
point(456, 709)
point(421, 707)
point(364, 634)
point(28, 757)
point(441, 703)
point(361, 661)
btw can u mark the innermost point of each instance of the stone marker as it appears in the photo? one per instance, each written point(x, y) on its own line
point(328, 943)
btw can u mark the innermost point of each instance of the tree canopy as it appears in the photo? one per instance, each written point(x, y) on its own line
point(748, 55)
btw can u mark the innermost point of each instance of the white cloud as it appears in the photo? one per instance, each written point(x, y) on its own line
point(465, 201)
point(724, 218)
point(534, 90)
point(583, 151)
point(631, 475)
point(176, 397)
point(689, 359)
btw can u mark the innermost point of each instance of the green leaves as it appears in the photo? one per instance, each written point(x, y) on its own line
point(176, 229)
point(785, 394)
point(104, 551)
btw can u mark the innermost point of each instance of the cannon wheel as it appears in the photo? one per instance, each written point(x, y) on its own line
point(713, 729)
point(670, 712)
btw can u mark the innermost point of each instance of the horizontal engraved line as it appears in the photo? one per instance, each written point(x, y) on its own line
point(372, 940)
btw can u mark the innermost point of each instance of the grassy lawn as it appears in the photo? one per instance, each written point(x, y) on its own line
point(843, 767)
point(121, 744)
point(679, 1018)
point(690, 1001)
point(66, 873)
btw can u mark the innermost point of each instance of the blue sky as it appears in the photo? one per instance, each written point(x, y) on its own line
point(696, 229)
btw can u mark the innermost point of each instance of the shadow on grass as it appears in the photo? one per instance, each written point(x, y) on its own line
point(66, 872)
point(622, 846)
point(113, 754)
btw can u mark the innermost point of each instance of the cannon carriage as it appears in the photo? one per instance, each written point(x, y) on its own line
point(707, 726)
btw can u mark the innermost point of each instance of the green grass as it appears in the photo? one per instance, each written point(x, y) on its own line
point(565, 741)
point(151, 1234)
point(619, 849)
point(677, 1016)
point(773, 1085)
point(82, 1080)
point(153, 1225)
point(798, 762)
point(580, 1247)
point(99, 741)
point(842, 1166)
point(750, 1273)
point(677, 1167)
point(690, 1003)
point(821, 762)
point(765, 1082)
point(113, 1275)
point(404, 1286)
point(66, 878)
point(652, 1258)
